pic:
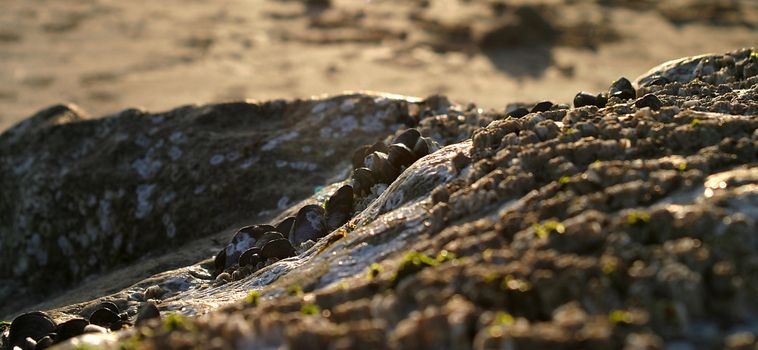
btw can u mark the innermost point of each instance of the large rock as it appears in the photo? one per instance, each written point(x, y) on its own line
point(605, 228)
point(81, 195)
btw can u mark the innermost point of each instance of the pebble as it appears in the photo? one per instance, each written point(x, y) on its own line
point(154, 292)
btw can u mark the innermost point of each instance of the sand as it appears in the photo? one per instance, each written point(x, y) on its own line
point(109, 55)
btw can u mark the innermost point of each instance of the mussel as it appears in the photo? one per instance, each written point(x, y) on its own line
point(339, 207)
point(34, 325)
point(278, 249)
point(310, 224)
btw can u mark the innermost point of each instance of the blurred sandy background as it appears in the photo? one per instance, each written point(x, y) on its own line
point(106, 55)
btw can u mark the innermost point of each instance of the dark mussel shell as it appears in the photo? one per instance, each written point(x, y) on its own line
point(35, 325)
point(543, 106)
point(71, 328)
point(622, 89)
point(363, 180)
point(401, 156)
point(518, 112)
point(278, 248)
point(219, 264)
point(408, 138)
point(586, 99)
point(358, 155)
point(109, 305)
point(310, 224)
point(422, 147)
point(286, 225)
point(378, 146)
point(147, 311)
point(250, 257)
point(339, 207)
point(268, 237)
point(104, 317)
point(380, 166)
point(244, 239)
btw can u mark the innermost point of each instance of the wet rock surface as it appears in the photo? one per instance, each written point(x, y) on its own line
point(627, 225)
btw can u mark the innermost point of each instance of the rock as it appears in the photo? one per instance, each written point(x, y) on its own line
point(147, 311)
point(153, 292)
point(592, 227)
point(139, 182)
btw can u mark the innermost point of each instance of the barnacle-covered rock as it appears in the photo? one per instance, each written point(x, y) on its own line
point(604, 226)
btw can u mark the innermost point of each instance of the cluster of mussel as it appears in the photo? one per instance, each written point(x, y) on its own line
point(256, 246)
point(36, 330)
point(382, 164)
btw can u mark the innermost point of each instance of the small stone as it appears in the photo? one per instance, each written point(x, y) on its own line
point(440, 194)
point(460, 161)
point(224, 277)
point(93, 328)
point(44, 343)
point(147, 311)
point(154, 292)
point(649, 100)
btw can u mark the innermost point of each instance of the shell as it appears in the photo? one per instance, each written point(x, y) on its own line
point(363, 180)
point(378, 146)
point(243, 240)
point(268, 237)
point(358, 155)
point(518, 112)
point(278, 248)
point(285, 226)
point(70, 328)
point(401, 155)
point(422, 147)
point(339, 207)
point(104, 317)
point(35, 325)
point(219, 263)
point(310, 224)
point(250, 257)
point(408, 138)
point(147, 311)
point(543, 106)
point(380, 166)
point(623, 89)
point(109, 305)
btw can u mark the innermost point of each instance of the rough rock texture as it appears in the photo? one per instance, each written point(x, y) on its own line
point(82, 195)
point(573, 228)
